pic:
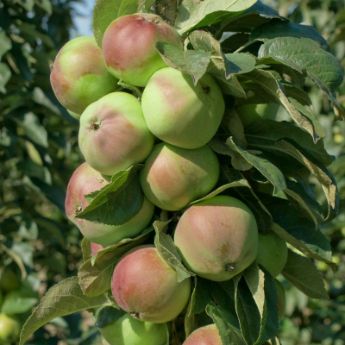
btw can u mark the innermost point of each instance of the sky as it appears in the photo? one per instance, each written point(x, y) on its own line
point(83, 18)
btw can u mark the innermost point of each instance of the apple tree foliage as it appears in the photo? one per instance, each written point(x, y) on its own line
point(274, 159)
point(37, 245)
point(308, 320)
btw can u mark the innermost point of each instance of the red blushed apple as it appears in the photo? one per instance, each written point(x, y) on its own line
point(86, 180)
point(79, 75)
point(113, 134)
point(217, 237)
point(207, 335)
point(181, 113)
point(145, 286)
point(129, 46)
point(173, 177)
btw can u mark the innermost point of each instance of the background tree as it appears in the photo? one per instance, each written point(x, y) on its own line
point(37, 154)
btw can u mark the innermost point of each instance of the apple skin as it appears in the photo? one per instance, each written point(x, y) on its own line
point(9, 278)
point(129, 46)
point(206, 335)
point(179, 112)
point(145, 286)
point(173, 177)
point(113, 134)
point(129, 331)
point(218, 237)
point(86, 180)
point(79, 75)
point(272, 253)
point(9, 329)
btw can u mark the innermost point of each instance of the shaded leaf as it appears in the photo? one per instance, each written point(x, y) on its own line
point(117, 202)
point(193, 62)
point(302, 273)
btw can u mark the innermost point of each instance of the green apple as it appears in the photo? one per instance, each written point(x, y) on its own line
point(179, 112)
point(272, 253)
point(173, 177)
point(127, 330)
point(217, 237)
point(9, 329)
point(79, 75)
point(9, 278)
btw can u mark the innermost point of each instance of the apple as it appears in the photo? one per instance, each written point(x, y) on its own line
point(179, 112)
point(127, 330)
point(9, 329)
point(206, 335)
point(272, 253)
point(86, 180)
point(113, 134)
point(79, 75)
point(217, 237)
point(146, 286)
point(173, 177)
point(129, 46)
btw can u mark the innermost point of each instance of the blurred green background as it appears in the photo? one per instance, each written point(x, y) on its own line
point(38, 152)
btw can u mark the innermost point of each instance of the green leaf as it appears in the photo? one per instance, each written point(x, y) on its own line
point(105, 11)
point(265, 167)
point(262, 288)
point(198, 13)
point(251, 18)
point(247, 312)
point(108, 315)
point(5, 43)
point(324, 177)
point(62, 299)
point(305, 55)
point(271, 131)
point(270, 84)
point(169, 252)
point(18, 302)
point(193, 62)
point(95, 273)
point(226, 325)
point(5, 75)
point(301, 234)
point(34, 130)
point(275, 29)
point(118, 201)
point(302, 273)
point(239, 63)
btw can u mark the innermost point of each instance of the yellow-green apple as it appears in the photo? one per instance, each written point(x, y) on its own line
point(272, 253)
point(127, 330)
point(146, 286)
point(9, 329)
point(129, 46)
point(217, 237)
point(79, 75)
point(206, 335)
point(113, 134)
point(86, 180)
point(9, 277)
point(173, 177)
point(179, 112)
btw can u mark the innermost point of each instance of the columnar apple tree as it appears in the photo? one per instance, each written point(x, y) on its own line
point(204, 162)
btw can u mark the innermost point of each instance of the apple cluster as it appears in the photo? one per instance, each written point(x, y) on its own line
point(167, 129)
